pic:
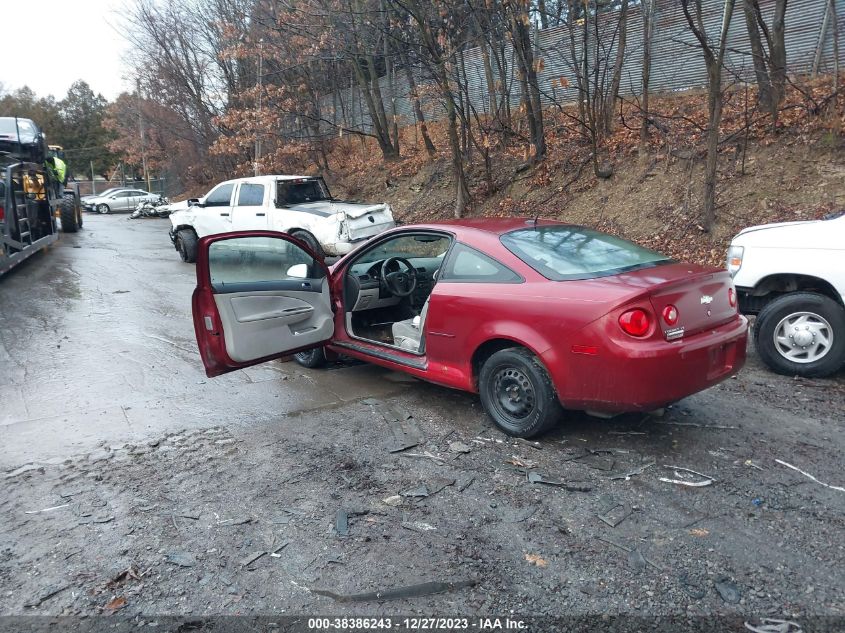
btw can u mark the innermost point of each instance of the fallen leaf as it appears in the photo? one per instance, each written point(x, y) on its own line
point(699, 532)
point(115, 605)
point(536, 559)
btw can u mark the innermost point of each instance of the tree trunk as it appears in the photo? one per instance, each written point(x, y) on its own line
point(714, 105)
point(761, 71)
point(610, 101)
point(461, 190)
point(648, 10)
point(412, 84)
point(777, 56)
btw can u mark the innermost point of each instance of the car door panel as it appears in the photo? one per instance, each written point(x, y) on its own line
point(257, 325)
point(248, 305)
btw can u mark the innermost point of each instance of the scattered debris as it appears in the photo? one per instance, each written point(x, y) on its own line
point(627, 550)
point(236, 521)
point(418, 526)
point(405, 433)
point(748, 462)
point(686, 482)
point(417, 491)
point(728, 590)
point(426, 455)
point(773, 625)
point(636, 471)
point(535, 445)
point(64, 505)
point(536, 559)
point(342, 523)
point(636, 560)
point(536, 478)
point(115, 604)
point(613, 513)
point(48, 593)
point(757, 501)
point(465, 484)
point(393, 500)
point(104, 518)
point(181, 559)
point(699, 532)
point(275, 552)
point(521, 463)
point(821, 483)
point(411, 591)
point(249, 560)
point(459, 447)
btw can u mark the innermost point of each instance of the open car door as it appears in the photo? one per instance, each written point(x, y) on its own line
point(260, 295)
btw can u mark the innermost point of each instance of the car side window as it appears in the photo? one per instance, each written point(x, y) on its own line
point(221, 196)
point(258, 260)
point(251, 195)
point(466, 264)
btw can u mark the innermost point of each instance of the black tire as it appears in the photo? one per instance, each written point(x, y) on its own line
point(532, 406)
point(186, 244)
point(67, 213)
point(825, 318)
point(103, 209)
point(311, 241)
point(313, 358)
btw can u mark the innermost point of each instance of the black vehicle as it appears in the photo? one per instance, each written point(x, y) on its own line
point(23, 139)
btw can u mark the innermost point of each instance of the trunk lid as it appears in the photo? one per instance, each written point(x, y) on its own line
point(700, 295)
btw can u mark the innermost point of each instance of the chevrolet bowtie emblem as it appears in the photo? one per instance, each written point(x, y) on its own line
point(706, 299)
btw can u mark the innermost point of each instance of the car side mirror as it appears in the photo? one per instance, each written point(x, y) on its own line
point(195, 202)
point(300, 271)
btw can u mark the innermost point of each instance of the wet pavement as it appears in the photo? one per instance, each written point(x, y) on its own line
point(129, 476)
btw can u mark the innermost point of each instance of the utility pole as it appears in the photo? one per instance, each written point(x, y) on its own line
point(141, 131)
point(258, 122)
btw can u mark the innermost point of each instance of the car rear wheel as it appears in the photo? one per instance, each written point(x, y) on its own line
point(103, 208)
point(801, 333)
point(186, 244)
point(313, 358)
point(517, 393)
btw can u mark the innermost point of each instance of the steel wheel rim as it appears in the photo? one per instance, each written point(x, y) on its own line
point(803, 337)
point(513, 393)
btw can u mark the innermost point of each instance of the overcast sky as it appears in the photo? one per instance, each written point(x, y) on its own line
point(49, 44)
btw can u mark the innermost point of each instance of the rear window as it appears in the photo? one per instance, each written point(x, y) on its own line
point(301, 191)
point(563, 252)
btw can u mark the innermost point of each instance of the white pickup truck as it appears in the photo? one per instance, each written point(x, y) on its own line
point(299, 205)
point(792, 275)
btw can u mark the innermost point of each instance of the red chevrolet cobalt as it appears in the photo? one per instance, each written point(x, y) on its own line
point(534, 316)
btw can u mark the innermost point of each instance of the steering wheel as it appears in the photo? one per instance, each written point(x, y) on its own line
point(400, 283)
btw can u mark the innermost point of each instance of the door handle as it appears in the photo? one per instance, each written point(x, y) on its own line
point(260, 215)
point(226, 214)
point(306, 285)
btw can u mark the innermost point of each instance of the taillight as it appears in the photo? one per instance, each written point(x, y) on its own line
point(635, 322)
point(670, 315)
point(732, 297)
point(2, 214)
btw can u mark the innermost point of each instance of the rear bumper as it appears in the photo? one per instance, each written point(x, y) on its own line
point(644, 376)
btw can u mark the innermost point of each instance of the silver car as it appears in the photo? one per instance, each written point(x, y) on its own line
point(124, 200)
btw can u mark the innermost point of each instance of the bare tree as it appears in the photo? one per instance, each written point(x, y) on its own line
point(769, 62)
point(649, 16)
point(714, 58)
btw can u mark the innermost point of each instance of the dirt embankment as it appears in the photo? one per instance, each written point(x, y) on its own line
point(796, 172)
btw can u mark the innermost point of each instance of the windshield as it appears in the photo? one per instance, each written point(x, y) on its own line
point(8, 128)
point(300, 191)
point(563, 252)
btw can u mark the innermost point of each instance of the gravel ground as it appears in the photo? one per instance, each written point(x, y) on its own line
point(263, 514)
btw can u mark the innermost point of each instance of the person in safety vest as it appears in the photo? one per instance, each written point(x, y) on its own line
point(58, 169)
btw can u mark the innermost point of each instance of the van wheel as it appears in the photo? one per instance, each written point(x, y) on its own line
point(801, 333)
point(517, 393)
point(186, 244)
point(311, 241)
